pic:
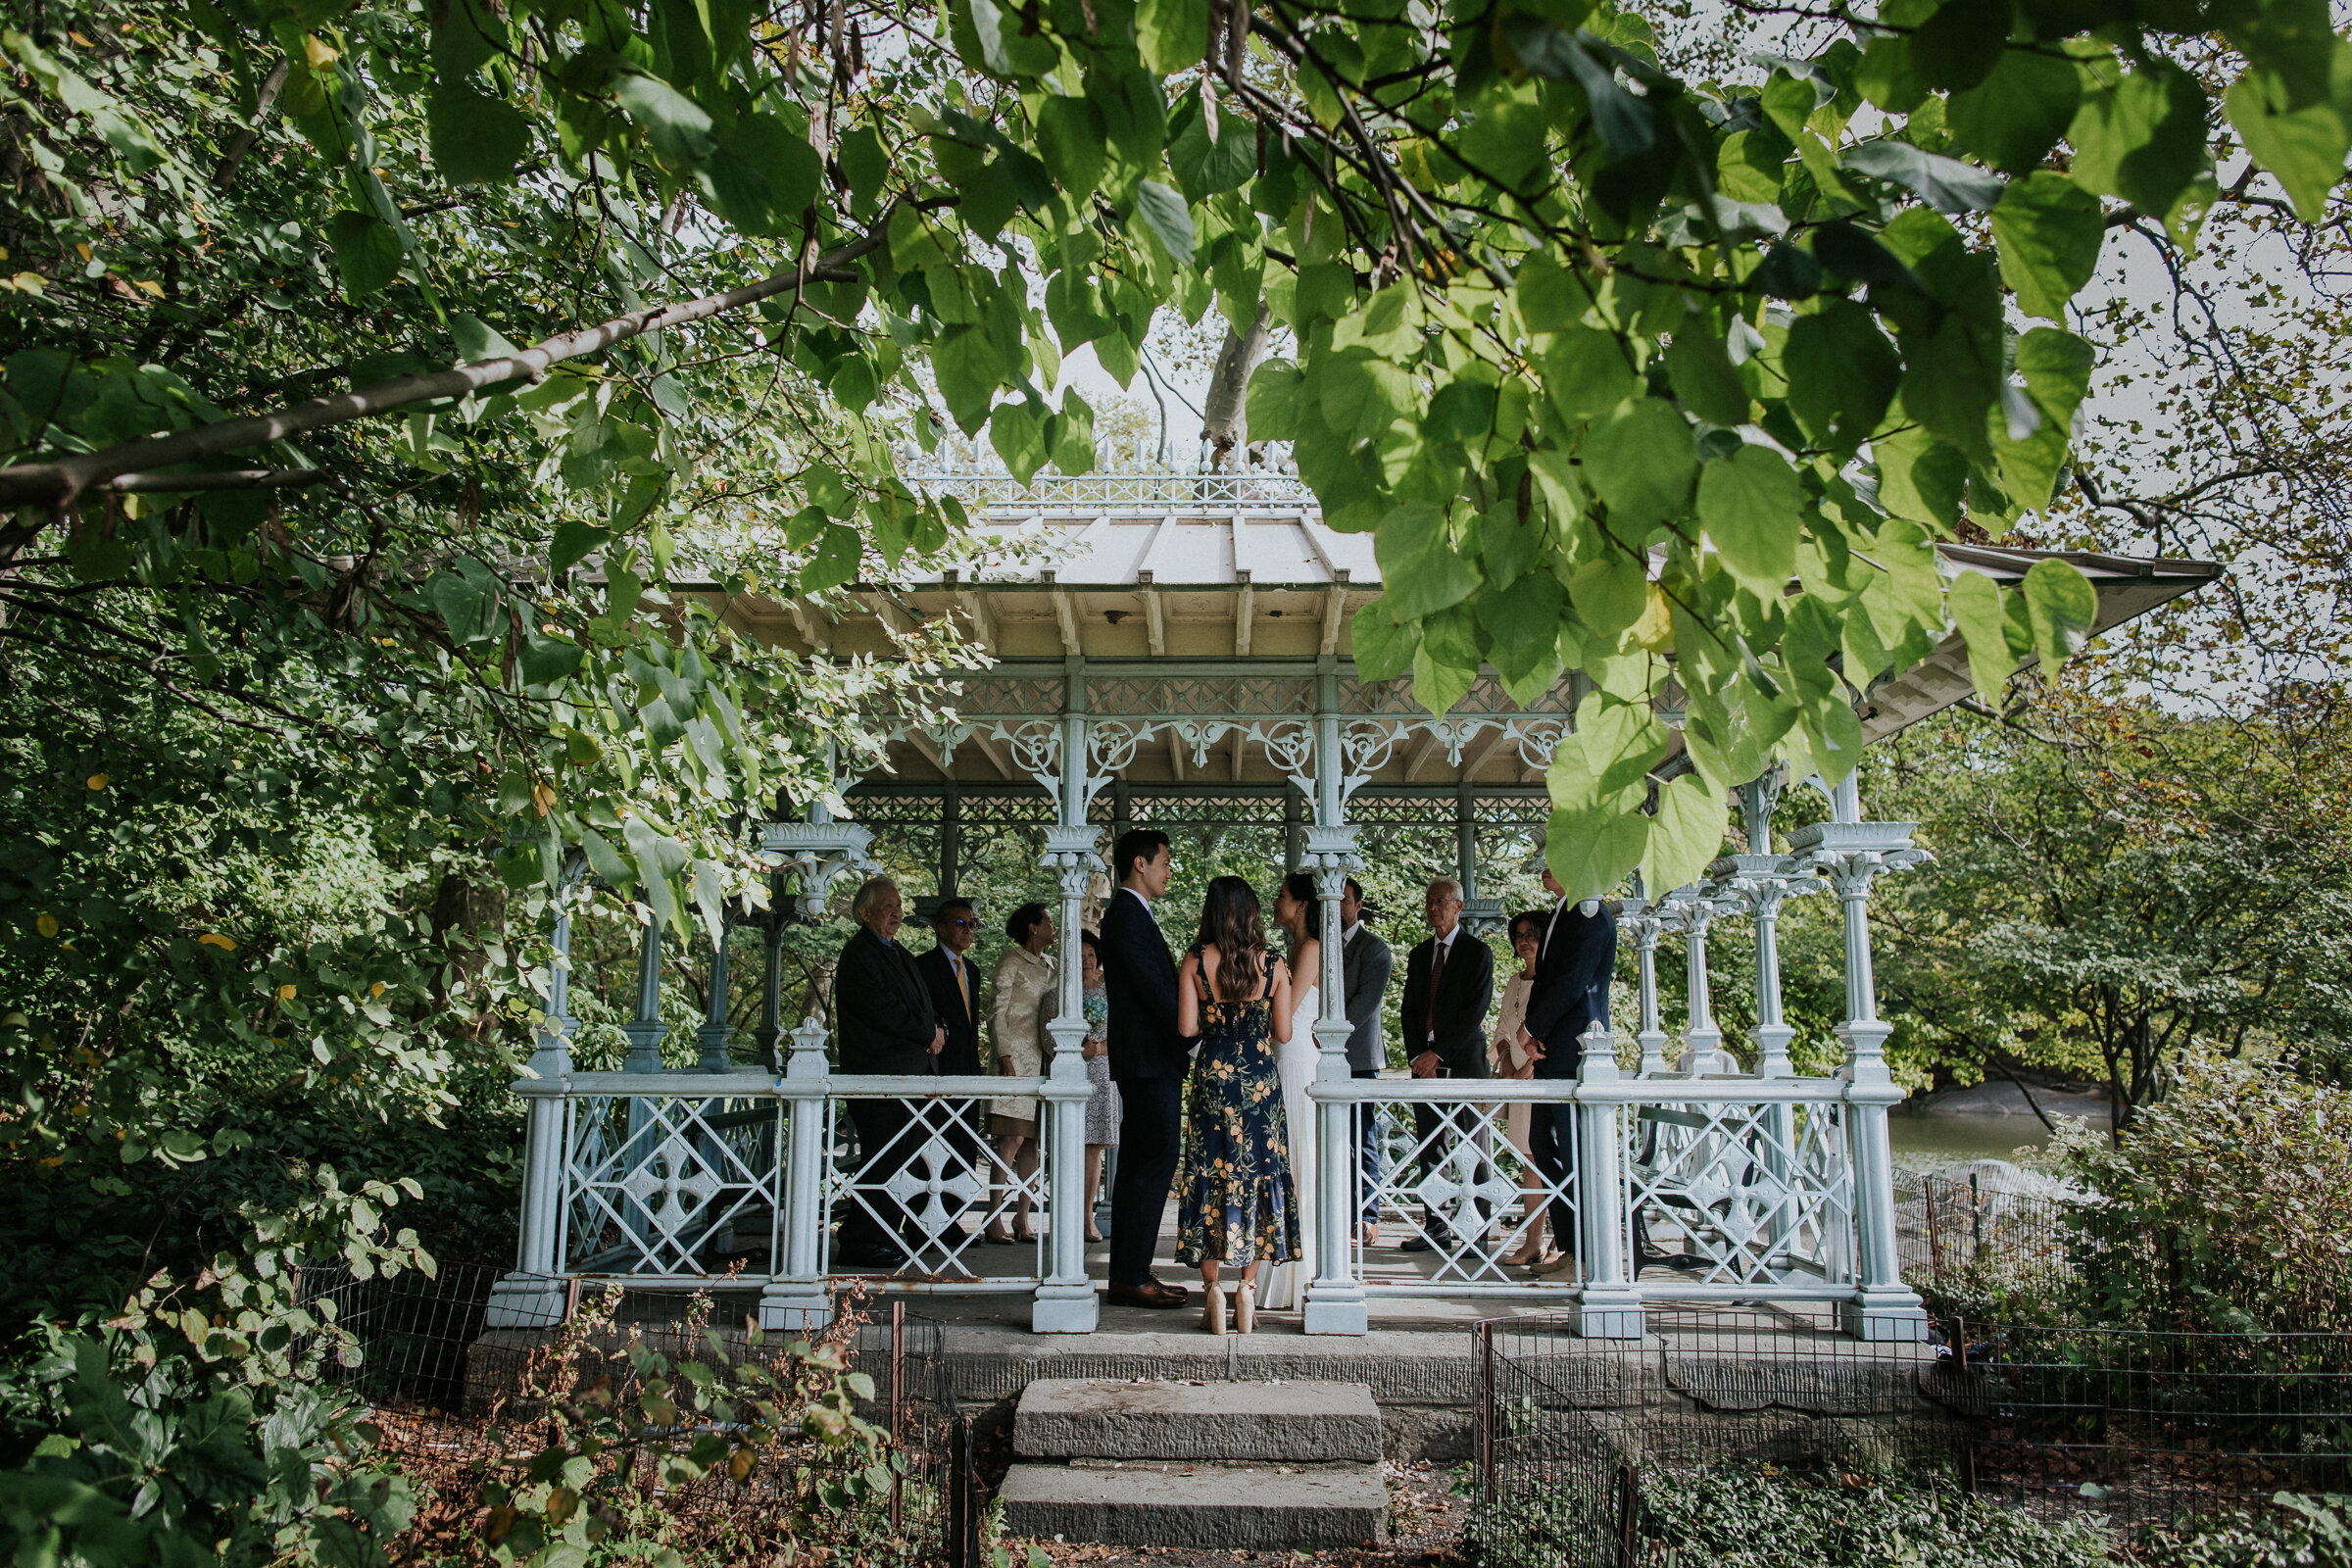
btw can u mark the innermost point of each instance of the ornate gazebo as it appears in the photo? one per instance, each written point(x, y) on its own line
point(1166, 645)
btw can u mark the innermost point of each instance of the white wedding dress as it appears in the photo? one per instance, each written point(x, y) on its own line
point(1283, 1286)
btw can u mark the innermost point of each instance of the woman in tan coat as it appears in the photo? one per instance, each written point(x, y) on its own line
point(1017, 1031)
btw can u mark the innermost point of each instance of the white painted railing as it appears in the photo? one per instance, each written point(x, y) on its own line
point(1724, 1187)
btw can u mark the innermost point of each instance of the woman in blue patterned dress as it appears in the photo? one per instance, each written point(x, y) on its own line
point(1236, 1204)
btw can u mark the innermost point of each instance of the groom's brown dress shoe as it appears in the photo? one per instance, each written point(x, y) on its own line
point(1151, 1293)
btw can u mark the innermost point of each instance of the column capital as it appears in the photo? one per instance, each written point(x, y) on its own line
point(819, 852)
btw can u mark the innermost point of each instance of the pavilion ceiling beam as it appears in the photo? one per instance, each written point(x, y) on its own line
point(1245, 617)
point(809, 621)
point(1155, 615)
point(1065, 611)
point(990, 749)
point(981, 618)
point(1236, 748)
point(1334, 609)
point(1161, 536)
point(893, 615)
point(1487, 748)
point(929, 748)
point(1430, 747)
point(1175, 754)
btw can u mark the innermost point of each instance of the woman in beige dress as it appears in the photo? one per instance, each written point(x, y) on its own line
point(1016, 1032)
point(1508, 1059)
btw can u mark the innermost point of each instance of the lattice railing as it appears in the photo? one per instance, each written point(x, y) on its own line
point(1451, 1179)
point(1741, 1193)
point(668, 1185)
point(936, 1186)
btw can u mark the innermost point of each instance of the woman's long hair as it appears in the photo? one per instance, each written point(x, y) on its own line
point(1230, 923)
point(1302, 890)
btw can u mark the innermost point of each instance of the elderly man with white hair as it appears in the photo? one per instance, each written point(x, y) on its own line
point(884, 1023)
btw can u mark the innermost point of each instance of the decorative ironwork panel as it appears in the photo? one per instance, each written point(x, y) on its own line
point(1453, 1177)
point(1202, 696)
point(668, 1185)
point(936, 1186)
point(1206, 809)
point(1741, 1193)
point(999, 695)
point(1002, 492)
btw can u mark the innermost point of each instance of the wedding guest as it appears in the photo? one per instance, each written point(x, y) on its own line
point(1506, 1057)
point(886, 1024)
point(1102, 1105)
point(1365, 965)
point(1237, 1207)
point(1571, 993)
point(1449, 986)
point(1023, 1000)
point(955, 986)
point(1148, 1062)
point(1296, 913)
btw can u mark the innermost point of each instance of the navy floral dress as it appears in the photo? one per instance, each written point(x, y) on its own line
point(1236, 1204)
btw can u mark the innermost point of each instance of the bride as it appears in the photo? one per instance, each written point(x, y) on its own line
point(1295, 911)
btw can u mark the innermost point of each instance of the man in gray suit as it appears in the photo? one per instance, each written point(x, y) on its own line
point(1365, 964)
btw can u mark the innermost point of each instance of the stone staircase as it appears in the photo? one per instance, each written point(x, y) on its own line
point(1152, 1462)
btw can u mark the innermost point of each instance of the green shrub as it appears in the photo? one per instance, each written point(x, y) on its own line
point(2299, 1532)
point(2223, 1207)
point(1765, 1516)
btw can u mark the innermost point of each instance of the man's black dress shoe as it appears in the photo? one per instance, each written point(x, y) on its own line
point(1151, 1293)
point(869, 1257)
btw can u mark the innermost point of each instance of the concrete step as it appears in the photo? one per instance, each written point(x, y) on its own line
point(1280, 1422)
point(1202, 1505)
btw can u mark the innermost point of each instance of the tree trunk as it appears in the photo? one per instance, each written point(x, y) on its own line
point(1225, 414)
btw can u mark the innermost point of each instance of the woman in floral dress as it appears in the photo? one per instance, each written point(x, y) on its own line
point(1237, 1207)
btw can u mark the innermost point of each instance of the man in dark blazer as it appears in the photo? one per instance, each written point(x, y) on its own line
point(1148, 1061)
point(1571, 993)
point(1449, 986)
point(1365, 965)
point(954, 985)
point(885, 1023)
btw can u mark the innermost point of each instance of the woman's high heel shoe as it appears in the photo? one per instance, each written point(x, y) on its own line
point(1245, 1310)
point(1212, 1316)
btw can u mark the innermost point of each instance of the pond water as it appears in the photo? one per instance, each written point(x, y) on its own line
point(1946, 1140)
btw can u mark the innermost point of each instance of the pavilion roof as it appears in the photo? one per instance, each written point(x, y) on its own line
point(1237, 573)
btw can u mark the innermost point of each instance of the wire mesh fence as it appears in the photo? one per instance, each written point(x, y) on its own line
point(462, 1407)
point(2115, 1429)
point(1962, 1238)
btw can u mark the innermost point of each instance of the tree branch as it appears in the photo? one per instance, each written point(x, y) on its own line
point(56, 484)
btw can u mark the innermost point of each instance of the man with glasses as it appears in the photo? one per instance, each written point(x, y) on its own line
point(954, 985)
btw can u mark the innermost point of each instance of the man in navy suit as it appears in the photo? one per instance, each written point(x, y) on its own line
point(1571, 993)
point(1449, 986)
point(954, 987)
point(1148, 1061)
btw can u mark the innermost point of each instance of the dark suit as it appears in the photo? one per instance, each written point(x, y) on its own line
point(1365, 965)
point(1458, 1008)
point(960, 1057)
point(1148, 1061)
point(1570, 995)
point(885, 1023)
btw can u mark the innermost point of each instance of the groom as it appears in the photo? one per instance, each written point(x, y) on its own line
point(1148, 1062)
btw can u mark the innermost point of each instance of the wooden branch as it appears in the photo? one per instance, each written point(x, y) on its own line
point(58, 483)
point(223, 479)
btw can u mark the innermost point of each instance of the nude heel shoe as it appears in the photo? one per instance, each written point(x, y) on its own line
point(1212, 1315)
point(1245, 1310)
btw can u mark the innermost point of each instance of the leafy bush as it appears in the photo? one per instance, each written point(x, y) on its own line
point(2223, 1207)
point(1765, 1516)
point(2299, 1532)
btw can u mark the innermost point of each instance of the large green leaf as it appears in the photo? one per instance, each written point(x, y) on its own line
point(1586, 372)
point(476, 139)
point(466, 595)
point(1704, 381)
point(367, 251)
point(1687, 833)
point(1171, 35)
point(1752, 508)
point(2143, 139)
point(2056, 369)
point(1019, 437)
point(2048, 231)
point(2304, 147)
point(1421, 573)
point(1976, 605)
point(2016, 115)
point(2062, 607)
point(1383, 648)
point(1642, 462)
point(676, 128)
point(1167, 215)
point(1842, 373)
